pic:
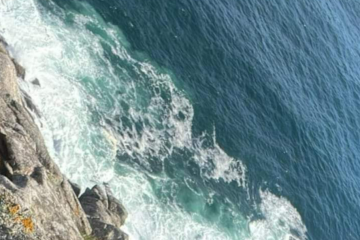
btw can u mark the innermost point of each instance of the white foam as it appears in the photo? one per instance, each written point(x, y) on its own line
point(153, 219)
point(216, 164)
point(281, 219)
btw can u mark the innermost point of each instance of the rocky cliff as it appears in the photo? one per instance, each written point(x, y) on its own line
point(36, 200)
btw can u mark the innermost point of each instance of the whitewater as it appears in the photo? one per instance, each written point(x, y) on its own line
point(112, 115)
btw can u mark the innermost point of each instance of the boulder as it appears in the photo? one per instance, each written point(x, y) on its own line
point(103, 231)
point(105, 213)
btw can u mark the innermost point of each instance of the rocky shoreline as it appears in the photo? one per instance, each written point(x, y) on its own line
point(36, 200)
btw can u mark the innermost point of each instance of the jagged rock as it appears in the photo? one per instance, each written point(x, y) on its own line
point(20, 70)
point(76, 188)
point(120, 211)
point(37, 201)
point(105, 231)
point(8, 84)
point(105, 213)
point(29, 103)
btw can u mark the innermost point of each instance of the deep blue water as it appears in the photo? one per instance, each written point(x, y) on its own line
point(279, 80)
point(277, 83)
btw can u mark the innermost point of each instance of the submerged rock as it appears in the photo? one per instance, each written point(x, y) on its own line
point(36, 200)
point(36, 82)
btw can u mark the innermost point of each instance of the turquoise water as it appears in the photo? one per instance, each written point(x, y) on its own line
point(208, 119)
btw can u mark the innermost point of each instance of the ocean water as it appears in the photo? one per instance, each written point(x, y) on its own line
point(208, 119)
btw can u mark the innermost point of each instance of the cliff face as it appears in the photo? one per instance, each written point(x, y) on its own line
point(36, 200)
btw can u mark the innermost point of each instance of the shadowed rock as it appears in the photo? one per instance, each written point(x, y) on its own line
point(76, 188)
point(30, 104)
point(105, 213)
point(20, 70)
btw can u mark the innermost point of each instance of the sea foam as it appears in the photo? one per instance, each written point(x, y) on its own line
point(94, 112)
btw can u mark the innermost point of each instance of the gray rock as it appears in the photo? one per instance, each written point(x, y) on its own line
point(3, 45)
point(76, 188)
point(20, 70)
point(36, 200)
point(120, 214)
point(105, 213)
point(30, 104)
point(105, 231)
point(8, 84)
point(36, 82)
